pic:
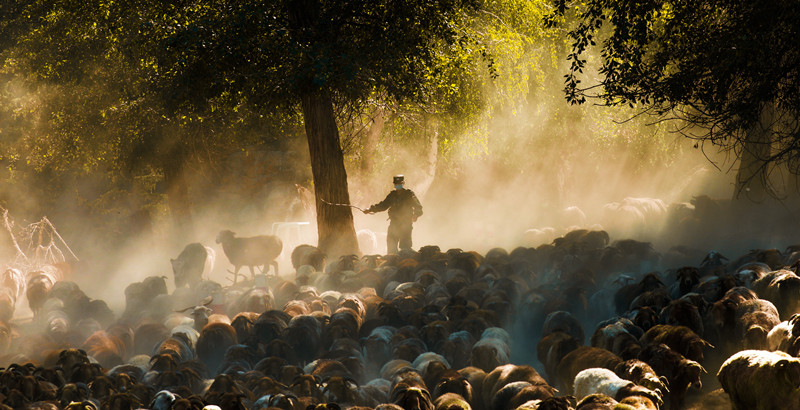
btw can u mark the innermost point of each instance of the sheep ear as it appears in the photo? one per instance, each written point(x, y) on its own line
point(706, 344)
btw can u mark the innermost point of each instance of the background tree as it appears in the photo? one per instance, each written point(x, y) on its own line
point(727, 71)
point(181, 66)
point(315, 54)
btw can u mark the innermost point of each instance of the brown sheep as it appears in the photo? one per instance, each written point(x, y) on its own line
point(122, 401)
point(343, 390)
point(177, 345)
point(552, 348)
point(754, 320)
point(582, 358)
point(617, 337)
point(410, 393)
point(256, 300)
point(108, 349)
point(451, 401)
point(561, 321)
point(451, 381)
point(304, 334)
point(243, 324)
point(38, 287)
point(502, 376)
point(681, 372)
point(308, 255)
point(757, 379)
point(188, 267)
point(681, 312)
point(642, 374)
point(597, 401)
point(721, 316)
point(781, 287)
point(214, 340)
point(680, 338)
point(253, 251)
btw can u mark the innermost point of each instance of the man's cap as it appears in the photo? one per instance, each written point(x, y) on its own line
point(399, 179)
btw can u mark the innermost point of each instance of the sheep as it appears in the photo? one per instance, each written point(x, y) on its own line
point(214, 340)
point(308, 255)
point(191, 263)
point(619, 337)
point(502, 376)
point(582, 358)
point(253, 251)
point(680, 338)
point(680, 372)
point(781, 287)
point(757, 379)
point(491, 350)
point(38, 286)
point(599, 380)
point(754, 320)
point(552, 348)
point(563, 322)
point(451, 401)
point(642, 374)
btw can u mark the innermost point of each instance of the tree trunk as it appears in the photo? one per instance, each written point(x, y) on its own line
point(337, 235)
point(177, 189)
point(751, 178)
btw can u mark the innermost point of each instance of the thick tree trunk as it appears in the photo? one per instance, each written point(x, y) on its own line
point(337, 235)
point(751, 178)
point(177, 189)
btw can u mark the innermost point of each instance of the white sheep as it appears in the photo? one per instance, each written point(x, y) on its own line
point(598, 380)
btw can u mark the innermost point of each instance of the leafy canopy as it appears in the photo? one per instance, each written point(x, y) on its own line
point(714, 65)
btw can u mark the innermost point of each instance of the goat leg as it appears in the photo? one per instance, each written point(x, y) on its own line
point(235, 273)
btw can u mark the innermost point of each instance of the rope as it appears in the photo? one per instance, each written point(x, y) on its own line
point(351, 206)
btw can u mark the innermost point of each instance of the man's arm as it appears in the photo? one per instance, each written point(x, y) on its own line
point(383, 205)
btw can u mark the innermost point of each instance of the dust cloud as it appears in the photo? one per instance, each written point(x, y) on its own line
point(543, 165)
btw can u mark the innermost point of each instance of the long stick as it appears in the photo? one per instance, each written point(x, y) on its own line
point(61, 239)
point(351, 206)
point(13, 239)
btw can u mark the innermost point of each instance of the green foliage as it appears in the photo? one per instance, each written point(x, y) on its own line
point(713, 65)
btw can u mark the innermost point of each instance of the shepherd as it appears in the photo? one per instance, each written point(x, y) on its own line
point(404, 209)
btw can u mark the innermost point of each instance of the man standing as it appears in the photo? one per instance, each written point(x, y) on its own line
point(404, 209)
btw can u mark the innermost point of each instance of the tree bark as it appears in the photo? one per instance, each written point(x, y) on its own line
point(751, 178)
point(177, 190)
point(337, 235)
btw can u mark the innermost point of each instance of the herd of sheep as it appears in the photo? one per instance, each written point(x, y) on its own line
point(582, 322)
